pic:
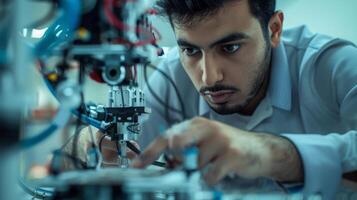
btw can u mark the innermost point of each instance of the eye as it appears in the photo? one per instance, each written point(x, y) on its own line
point(231, 48)
point(190, 51)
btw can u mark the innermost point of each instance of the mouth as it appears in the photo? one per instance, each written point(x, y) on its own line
point(219, 97)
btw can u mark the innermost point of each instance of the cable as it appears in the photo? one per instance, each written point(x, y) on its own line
point(112, 19)
point(155, 94)
point(281, 186)
point(88, 120)
point(101, 142)
point(63, 28)
point(79, 127)
point(79, 162)
point(138, 152)
point(35, 193)
point(47, 18)
point(122, 95)
point(130, 128)
point(167, 107)
point(117, 23)
point(76, 137)
point(85, 119)
point(27, 143)
point(183, 111)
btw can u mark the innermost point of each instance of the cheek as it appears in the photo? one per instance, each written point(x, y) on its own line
point(241, 70)
point(192, 71)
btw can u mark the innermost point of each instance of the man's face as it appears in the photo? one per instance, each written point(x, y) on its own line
point(226, 56)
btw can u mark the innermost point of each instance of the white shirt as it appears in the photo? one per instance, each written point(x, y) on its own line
point(311, 99)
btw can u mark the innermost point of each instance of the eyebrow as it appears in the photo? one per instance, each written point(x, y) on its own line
point(225, 39)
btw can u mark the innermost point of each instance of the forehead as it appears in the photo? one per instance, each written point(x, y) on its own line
point(233, 17)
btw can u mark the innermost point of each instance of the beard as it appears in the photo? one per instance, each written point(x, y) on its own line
point(257, 85)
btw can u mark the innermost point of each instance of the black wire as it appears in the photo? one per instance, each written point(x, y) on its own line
point(156, 96)
point(82, 164)
point(138, 152)
point(151, 90)
point(130, 128)
point(101, 142)
point(159, 164)
point(74, 153)
point(118, 148)
point(93, 144)
point(79, 119)
point(183, 109)
point(122, 95)
point(133, 148)
point(282, 187)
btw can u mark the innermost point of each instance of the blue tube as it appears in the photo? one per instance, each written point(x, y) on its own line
point(3, 55)
point(27, 143)
point(4, 35)
point(83, 118)
point(88, 120)
point(62, 29)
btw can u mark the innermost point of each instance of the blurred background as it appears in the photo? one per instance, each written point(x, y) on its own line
point(331, 17)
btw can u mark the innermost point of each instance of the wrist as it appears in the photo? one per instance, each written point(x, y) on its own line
point(281, 160)
point(266, 154)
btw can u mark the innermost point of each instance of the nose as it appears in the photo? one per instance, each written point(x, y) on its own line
point(211, 71)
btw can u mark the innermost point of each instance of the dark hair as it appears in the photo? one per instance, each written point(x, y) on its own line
point(188, 12)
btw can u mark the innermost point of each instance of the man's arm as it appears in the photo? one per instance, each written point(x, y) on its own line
point(225, 149)
point(327, 155)
point(285, 164)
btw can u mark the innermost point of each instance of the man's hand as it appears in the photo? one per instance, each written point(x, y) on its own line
point(109, 150)
point(108, 147)
point(224, 149)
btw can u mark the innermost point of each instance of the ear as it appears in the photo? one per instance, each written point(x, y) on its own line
point(276, 28)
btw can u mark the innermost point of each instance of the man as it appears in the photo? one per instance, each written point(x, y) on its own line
point(258, 102)
point(283, 107)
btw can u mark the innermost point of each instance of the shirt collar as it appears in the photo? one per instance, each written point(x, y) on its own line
point(279, 89)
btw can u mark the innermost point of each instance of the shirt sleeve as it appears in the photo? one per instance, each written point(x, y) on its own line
point(326, 156)
point(155, 88)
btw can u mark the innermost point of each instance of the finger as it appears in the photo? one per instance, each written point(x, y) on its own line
point(218, 169)
point(151, 153)
point(131, 155)
point(208, 150)
point(108, 145)
point(189, 133)
point(110, 156)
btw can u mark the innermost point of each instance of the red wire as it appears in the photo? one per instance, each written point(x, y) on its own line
point(114, 21)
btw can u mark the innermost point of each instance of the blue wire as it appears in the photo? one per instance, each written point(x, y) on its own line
point(62, 29)
point(2, 56)
point(88, 120)
point(83, 118)
point(4, 35)
point(59, 32)
point(27, 143)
